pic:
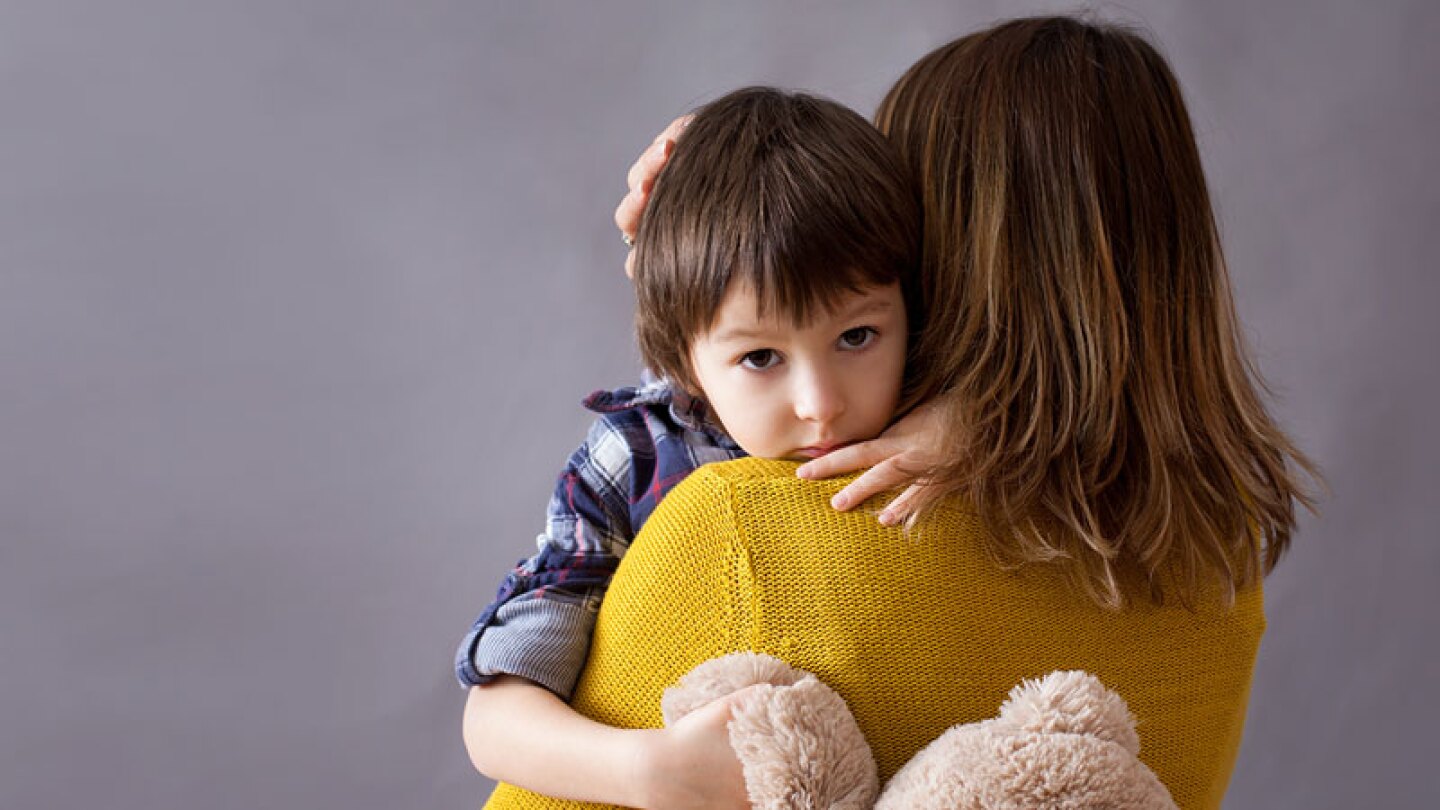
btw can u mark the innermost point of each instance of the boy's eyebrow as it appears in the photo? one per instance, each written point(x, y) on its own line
point(873, 306)
point(738, 333)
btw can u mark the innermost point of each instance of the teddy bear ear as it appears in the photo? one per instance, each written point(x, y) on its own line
point(723, 676)
point(1071, 703)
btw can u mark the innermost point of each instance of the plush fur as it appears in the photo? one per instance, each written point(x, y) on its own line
point(1063, 742)
point(795, 738)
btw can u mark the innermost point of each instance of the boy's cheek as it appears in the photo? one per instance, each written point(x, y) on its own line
point(756, 433)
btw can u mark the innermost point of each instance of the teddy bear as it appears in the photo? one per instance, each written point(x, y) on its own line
point(1062, 741)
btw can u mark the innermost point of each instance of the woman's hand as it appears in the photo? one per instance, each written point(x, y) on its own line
point(691, 766)
point(896, 458)
point(641, 179)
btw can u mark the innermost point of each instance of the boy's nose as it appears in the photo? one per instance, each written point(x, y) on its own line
point(818, 398)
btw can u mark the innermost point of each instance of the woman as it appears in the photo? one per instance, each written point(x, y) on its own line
point(1100, 484)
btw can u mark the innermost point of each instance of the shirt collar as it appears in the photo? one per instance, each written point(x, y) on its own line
point(688, 411)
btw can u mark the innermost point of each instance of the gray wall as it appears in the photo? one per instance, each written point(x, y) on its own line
point(297, 299)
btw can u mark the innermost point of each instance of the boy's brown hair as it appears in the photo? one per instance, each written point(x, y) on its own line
point(1103, 411)
point(794, 195)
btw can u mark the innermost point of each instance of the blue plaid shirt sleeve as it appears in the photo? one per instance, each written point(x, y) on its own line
point(538, 627)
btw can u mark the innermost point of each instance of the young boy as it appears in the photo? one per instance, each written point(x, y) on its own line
point(775, 275)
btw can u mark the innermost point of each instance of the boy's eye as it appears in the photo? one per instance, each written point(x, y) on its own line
point(857, 338)
point(760, 359)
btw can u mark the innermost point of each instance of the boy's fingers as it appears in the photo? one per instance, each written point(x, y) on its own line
point(722, 708)
point(735, 698)
point(883, 477)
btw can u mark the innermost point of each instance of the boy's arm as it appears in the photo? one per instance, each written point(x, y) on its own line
point(523, 734)
point(539, 624)
point(679, 597)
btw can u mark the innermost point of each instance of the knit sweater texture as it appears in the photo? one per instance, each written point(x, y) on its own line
point(917, 631)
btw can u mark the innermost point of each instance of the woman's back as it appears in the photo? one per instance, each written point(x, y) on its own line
point(917, 632)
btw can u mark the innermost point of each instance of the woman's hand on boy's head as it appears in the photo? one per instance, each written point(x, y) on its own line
point(895, 458)
point(640, 180)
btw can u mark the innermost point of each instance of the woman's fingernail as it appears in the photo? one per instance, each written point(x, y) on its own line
point(839, 502)
point(887, 518)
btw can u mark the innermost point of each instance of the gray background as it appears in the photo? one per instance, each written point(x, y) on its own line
point(297, 300)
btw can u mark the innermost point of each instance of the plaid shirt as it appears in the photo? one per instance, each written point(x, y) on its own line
point(646, 440)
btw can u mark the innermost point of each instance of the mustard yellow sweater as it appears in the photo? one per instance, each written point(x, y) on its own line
point(916, 631)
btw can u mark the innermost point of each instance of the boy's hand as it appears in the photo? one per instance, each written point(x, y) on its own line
point(640, 180)
point(691, 766)
point(895, 458)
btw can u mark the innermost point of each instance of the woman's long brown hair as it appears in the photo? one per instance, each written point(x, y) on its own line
point(1102, 411)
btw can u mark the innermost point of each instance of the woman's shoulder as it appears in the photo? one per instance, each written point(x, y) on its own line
point(773, 484)
point(708, 495)
point(743, 470)
point(767, 485)
point(719, 483)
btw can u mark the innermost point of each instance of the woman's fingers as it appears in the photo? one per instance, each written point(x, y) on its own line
point(882, 477)
point(627, 219)
point(632, 206)
point(898, 457)
point(674, 128)
point(846, 459)
point(900, 508)
point(640, 180)
point(647, 167)
point(643, 171)
point(627, 213)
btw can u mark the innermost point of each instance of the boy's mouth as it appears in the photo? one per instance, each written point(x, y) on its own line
point(818, 450)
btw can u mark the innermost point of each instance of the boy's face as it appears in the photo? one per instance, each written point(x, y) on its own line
point(782, 390)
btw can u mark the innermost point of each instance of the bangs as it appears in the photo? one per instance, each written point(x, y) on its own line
point(803, 271)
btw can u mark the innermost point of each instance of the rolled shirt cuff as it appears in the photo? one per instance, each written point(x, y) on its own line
point(541, 640)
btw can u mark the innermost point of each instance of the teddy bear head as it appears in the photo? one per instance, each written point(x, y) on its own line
point(1061, 741)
